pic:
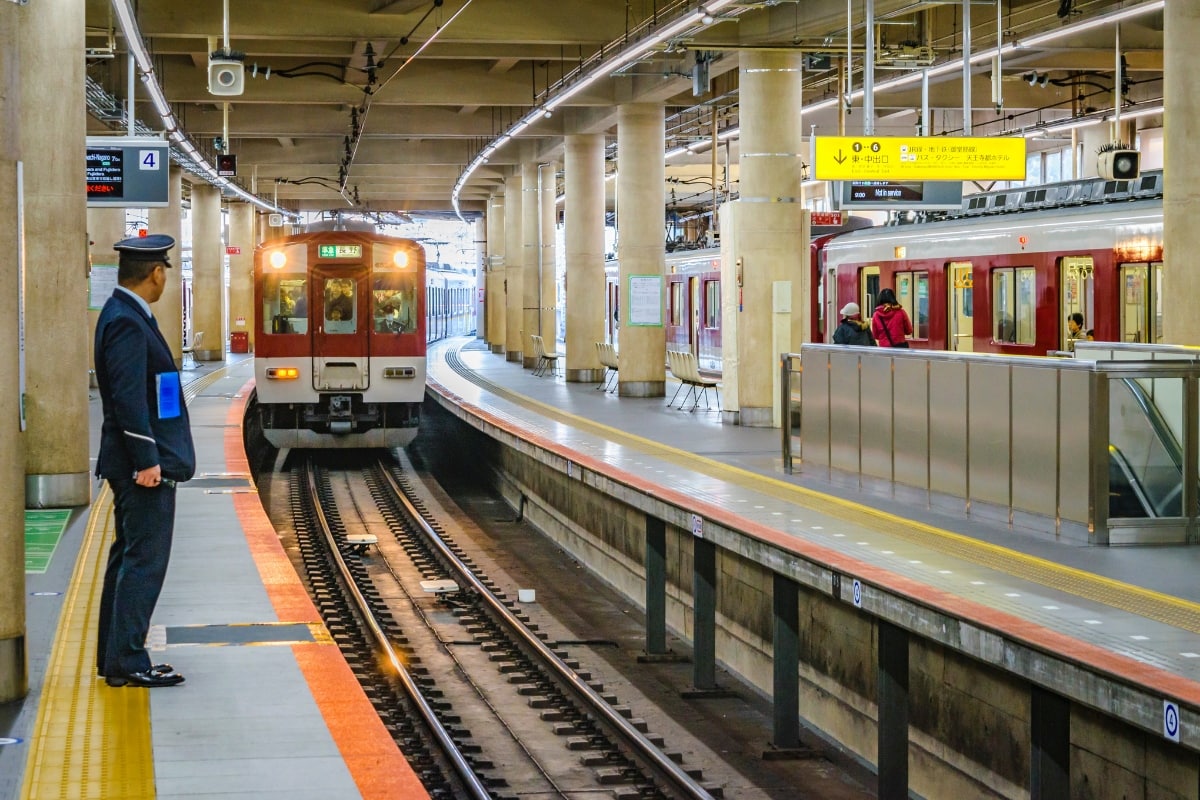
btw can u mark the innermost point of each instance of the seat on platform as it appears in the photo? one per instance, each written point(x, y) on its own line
point(189, 352)
point(608, 359)
point(686, 369)
point(545, 359)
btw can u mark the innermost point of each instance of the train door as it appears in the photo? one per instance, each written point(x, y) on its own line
point(962, 306)
point(697, 320)
point(1141, 302)
point(613, 312)
point(341, 327)
point(831, 306)
point(1075, 296)
point(868, 290)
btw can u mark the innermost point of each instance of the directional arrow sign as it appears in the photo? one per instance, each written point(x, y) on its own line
point(918, 158)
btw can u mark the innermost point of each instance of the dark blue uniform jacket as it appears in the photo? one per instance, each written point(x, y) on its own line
point(133, 362)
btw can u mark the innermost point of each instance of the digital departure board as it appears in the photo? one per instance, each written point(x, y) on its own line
point(339, 251)
point(899, 195)
point(127, 171)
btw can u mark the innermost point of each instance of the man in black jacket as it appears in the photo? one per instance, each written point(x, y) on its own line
point(145, 448)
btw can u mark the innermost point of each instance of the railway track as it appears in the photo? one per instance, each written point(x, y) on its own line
point(479, 699)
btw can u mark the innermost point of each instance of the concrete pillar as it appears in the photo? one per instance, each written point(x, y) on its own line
point(548, 250)
point(583, 241)
point(169, 308)
point(641, 175)
point(208, 280)
point(241, 270)
point(1093, 138)
point(106, 227)
point(494, 310)
point(514, 273)
point(14, 669)
point(531, 321)
point(764, 236)
point(1181, 283)
point(52, 124)
point(480, 273)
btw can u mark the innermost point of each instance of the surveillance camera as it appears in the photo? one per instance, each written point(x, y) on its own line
point(226, 74)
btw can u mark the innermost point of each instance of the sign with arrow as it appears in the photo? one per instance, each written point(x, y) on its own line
point(918, 158)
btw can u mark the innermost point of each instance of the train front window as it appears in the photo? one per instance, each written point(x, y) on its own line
point(393, 302)
point(285, 304)
point(1014, 305)
point(340, 306)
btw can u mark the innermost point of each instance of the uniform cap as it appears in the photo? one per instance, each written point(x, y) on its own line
point(146, 248)
point(850, 309)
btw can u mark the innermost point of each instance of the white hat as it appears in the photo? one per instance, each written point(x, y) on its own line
point(850, 309)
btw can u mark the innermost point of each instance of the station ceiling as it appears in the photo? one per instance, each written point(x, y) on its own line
point(384, 104)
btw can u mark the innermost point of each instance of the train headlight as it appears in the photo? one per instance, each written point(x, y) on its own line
point(400, 259)
point(278, 259)
point(282, 373)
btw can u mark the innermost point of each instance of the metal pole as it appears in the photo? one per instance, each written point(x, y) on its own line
point(966, 66)
point(924, 102)
point(869, 73)
point(129, 126)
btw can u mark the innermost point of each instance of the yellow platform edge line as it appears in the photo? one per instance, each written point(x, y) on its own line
point(89, 740)
point(1032, 568)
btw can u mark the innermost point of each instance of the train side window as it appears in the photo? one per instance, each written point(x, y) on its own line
point(393, 302)
point(712, 304)
point(1014, 305)
point(340, 305)
point(912, 290)
point(676, 310)
point(1141, 302)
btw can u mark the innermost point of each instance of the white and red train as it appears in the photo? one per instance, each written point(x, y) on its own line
point(1001, 276)
point(342, 319)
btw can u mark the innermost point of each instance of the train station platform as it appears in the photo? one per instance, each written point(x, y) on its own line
point(269, 707)
point(1113, 629)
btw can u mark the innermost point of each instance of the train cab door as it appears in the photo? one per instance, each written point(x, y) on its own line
point(961, 315)
point(1075, 278)
point(342, 322)
point(1141, 302)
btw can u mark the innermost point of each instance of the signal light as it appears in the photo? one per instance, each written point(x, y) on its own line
point(1119, 165)
point(282, 373)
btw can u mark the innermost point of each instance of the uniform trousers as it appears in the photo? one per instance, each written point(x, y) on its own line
point(133, 579)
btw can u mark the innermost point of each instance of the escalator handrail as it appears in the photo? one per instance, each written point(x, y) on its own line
point(1122, 463)
point(1154, 416)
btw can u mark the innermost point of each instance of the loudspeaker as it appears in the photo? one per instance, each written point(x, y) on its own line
point(1119, 165)
point(275, 220)
point(226, 77)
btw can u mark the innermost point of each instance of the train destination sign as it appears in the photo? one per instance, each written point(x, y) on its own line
point(918, 158)
point(339, 251)
point(126, 171)
point(899, 195)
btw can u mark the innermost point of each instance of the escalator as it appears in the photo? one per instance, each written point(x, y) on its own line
point(1145, 465)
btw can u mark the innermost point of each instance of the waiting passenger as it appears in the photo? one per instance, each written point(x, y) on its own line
point(890, 324)
point(852, 329)
point(1091, 334)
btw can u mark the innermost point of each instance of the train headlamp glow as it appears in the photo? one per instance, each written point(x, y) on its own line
point(400, 259)
point(282, 373)
point(278, 259)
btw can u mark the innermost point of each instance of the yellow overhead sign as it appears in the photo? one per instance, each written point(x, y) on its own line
point(918, 158)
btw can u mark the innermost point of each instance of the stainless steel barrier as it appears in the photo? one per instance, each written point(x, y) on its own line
point(1036, 441)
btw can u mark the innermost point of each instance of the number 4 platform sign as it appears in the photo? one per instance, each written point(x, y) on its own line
point(127, 171)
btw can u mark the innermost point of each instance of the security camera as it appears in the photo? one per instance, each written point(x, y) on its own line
point(226, 73)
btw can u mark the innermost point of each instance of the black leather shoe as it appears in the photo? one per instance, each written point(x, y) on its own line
point(162, 669)
point(148, 679)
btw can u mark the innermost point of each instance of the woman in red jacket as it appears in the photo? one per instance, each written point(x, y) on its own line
point(890, 324)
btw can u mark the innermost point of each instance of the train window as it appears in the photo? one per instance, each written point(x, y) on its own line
point(912, 290)
point(285, 304)
point(340, 305)
point(393, 302)
point(1141, 302)
point(1076, 293)
point(712, 304)
point(675, 312)
point(1014, 305)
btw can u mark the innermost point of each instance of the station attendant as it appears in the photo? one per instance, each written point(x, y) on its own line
point(145, 449)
